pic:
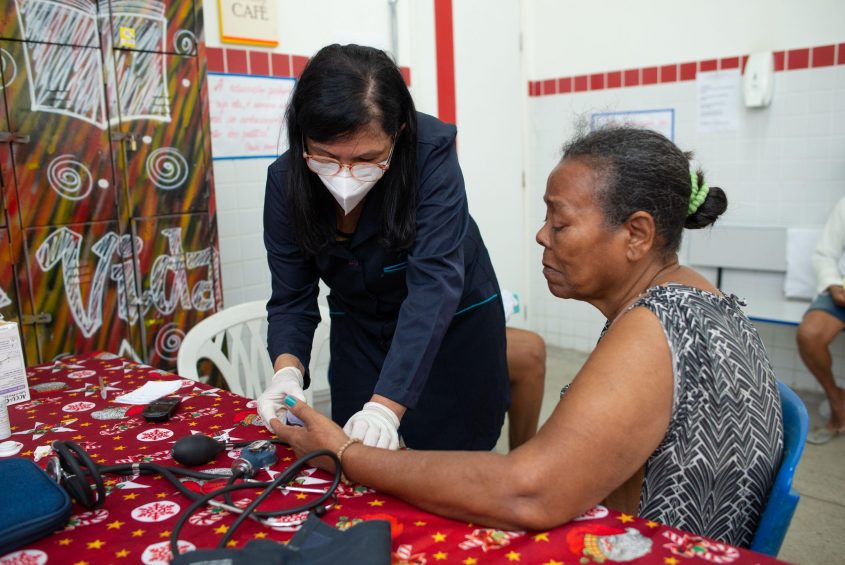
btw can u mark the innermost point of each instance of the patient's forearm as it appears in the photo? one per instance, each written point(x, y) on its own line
point(481, 487)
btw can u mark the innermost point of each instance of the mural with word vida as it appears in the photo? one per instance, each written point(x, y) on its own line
point(108, 237)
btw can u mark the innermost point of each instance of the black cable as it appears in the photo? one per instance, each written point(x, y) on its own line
point(76, 468)
point(168, 473)
point(288, 475)
point(227, 495)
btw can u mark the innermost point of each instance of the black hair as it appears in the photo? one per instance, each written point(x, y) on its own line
point(343, 89)
point(640, 169)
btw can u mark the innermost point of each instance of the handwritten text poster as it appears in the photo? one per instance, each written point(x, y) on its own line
point(719, 100)
point(247, 114)
point(661, 121)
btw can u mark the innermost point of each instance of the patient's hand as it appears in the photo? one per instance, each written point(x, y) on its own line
point(318, 432)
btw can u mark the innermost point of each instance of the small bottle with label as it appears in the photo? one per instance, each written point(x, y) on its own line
point(5, 426)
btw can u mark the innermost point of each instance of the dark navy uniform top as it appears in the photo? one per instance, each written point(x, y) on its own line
point(414, 326)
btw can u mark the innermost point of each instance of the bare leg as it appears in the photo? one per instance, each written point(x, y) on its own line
point(527, 368)
point(817, 331)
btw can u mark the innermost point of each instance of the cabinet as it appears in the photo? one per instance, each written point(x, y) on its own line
point(108, 237)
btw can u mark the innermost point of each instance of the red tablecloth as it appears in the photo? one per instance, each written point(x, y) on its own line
point(135, 523)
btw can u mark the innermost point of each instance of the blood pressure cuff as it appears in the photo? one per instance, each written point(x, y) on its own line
point(31, 504)
point(314, 544)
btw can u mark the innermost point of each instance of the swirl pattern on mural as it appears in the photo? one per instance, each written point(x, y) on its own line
point(8, 67)
point(168, 341)
point(69, 178)
point(185, 42)
point(167, 168)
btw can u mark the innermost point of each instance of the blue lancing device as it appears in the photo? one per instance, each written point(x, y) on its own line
point(292, 420)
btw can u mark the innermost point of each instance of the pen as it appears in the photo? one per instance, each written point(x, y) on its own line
point(102, 386)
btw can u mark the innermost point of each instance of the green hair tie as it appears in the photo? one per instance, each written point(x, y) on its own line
point(697, 195)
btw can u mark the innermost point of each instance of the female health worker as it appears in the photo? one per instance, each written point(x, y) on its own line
point(370, 198)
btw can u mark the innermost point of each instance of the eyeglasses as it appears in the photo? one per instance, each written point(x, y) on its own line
point(366, 172)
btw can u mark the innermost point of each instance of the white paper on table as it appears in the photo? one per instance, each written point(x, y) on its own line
point(152, 390)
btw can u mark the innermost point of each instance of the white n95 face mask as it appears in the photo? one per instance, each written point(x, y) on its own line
point(346, 189)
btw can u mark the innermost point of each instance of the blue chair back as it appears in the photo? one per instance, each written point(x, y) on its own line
point(777, 514)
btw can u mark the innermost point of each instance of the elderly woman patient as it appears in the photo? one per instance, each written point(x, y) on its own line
point(674, 416)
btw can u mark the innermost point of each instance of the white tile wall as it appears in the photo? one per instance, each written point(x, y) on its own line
point(784, 166)
point(239, 185)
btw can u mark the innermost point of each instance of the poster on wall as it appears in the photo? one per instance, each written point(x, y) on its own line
point(247, 114)
point(719, 100)
point(250, 22)
point(661, 120)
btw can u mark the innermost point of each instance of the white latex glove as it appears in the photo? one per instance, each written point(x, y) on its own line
point(375, 425)
point(287, 380)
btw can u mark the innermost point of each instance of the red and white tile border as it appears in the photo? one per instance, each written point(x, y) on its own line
point(254, 62)
point(790, 60)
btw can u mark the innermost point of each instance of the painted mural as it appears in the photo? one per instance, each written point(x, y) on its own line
point(110, 240)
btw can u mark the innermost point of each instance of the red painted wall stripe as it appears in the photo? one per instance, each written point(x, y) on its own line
point(229, 60)
point(445, 49)
point(790, 60)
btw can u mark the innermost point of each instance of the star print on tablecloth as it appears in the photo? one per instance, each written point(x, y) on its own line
point(87, 519)
point(197, 391)
point(145, 457)
point(488, 539)
point(126, 483)
point(109, 388)
point(192, 414)
point(226, 436)
point(156, 511)
point(160, 554)
point(404, 555)
point(88, 389)
point(689, 545)
point(26, 557)
point(625, 518)
point(41, 428)
point(59, 366)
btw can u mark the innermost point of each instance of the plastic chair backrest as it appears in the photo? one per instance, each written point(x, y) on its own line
point(777, 514)
point(235, 341)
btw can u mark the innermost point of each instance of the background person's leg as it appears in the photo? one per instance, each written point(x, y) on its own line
point(526, 352)
point(816, 332)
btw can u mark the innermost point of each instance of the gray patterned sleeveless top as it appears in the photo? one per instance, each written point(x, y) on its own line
point(712, 473)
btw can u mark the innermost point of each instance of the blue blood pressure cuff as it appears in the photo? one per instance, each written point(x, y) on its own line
point(32, 505)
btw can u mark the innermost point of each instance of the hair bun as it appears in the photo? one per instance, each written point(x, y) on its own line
point(709, 211)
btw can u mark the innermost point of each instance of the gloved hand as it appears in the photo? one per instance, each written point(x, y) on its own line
point(375, 425)
point(287, 380)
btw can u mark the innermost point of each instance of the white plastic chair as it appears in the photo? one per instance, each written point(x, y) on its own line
point(235, 341)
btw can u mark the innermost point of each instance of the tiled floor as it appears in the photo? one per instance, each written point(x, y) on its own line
point(817, 532)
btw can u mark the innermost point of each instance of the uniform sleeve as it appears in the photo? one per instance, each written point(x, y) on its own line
point(292, 312)
point(829, 250)
point(435, 276)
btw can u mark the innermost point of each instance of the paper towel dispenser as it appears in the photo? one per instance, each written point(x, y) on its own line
point(758, 80)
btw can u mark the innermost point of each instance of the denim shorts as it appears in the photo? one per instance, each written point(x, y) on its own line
point(825, 303)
